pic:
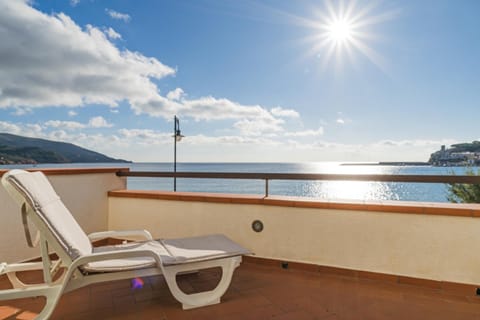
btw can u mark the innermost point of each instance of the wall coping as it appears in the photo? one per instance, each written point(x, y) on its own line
point(406, 207)
point(71, 171)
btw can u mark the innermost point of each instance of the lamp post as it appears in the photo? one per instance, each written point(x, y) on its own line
point(177, 136)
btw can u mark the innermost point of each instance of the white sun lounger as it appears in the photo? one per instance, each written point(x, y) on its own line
point(83, 264)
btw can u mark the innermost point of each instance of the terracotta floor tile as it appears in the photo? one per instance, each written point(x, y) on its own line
point(295, 315)
point(257, 292)
point(26, 315)
point(256, 313)
point(110, 286)
point(8, 311)
point(24, 308)
point(99, 302)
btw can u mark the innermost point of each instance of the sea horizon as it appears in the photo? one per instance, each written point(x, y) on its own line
point(331, 190)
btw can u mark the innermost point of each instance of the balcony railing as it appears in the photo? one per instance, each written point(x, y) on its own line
point(266, 177)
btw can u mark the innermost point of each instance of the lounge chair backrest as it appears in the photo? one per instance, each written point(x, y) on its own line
point(35, 189)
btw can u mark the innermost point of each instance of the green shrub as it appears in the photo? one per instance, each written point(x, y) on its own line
point(464, 193)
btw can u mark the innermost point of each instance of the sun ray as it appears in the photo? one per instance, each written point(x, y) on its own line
point(343, 29)
point(371, 54)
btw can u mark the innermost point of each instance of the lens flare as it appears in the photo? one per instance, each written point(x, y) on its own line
point(137, 283)
point(344, 31)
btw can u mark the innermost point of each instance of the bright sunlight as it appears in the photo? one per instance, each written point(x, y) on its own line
point(340, 31)
point(343, 29)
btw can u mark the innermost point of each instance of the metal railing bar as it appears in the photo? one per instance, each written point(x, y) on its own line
point(307, 176)
point(266, 187)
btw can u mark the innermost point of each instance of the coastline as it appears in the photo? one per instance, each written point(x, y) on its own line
point(394, 163)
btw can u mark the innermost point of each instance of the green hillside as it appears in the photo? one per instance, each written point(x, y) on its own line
point(17, 149)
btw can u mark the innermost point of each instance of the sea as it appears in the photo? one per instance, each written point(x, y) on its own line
point(331, 190)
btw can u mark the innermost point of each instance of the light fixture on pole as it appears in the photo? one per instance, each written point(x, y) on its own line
point(177, 136)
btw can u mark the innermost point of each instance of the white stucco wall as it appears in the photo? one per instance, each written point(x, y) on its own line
point(423, 246)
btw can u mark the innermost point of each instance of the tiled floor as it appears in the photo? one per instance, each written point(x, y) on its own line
point(258, 292)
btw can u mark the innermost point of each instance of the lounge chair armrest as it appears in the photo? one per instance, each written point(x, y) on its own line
point(134, 235)
point(117, 254)
point(3, 266)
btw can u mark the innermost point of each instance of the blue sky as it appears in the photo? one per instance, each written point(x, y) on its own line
point(249, 80)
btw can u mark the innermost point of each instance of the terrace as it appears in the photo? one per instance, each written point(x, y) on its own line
point(313, 259)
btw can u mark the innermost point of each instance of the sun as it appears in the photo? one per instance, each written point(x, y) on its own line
point(340, 31)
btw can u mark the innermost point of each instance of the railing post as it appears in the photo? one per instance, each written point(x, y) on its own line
point(266, 187)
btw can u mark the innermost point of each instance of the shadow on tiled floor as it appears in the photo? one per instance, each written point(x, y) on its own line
point(257, 292)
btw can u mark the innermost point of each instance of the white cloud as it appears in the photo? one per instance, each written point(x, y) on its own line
point(35, 128)
point(73, 3)
point(118, 15)
point(341, 119)
point(65, 125)
point(144, 134)
point(21, 111)
point(176, 94)
point(250, 119)
point(112, 34)
point(284, 113)
point(59, 135)
point(204, 108)
point(259, 126)
point(95, 122)
point(413, 143)
point(9, 127)
point(305, 133)
point(144, 137)
point(29, 130)
point(136, 144)
point(72, 113)
point(207, 141)
point(48, 60)
point(149, 137)
point(99, 122)
point(210, 108)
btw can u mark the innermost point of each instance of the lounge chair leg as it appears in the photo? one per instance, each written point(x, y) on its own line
point(21, 290)
point(200, 299)
point(51, 293)
point(52, 300)
point(11, 271)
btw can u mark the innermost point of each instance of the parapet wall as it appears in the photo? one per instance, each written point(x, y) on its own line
point(434, 241)
point(427, 241)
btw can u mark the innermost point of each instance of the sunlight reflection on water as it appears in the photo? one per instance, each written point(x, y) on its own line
point(328, 190)
point(354, 190)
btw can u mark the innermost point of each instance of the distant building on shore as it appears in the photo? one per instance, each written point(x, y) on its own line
point(461, 154)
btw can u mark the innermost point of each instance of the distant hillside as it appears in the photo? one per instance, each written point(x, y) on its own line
point(466, 147)
point(17, 149)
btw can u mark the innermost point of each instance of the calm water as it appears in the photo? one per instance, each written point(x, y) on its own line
point(357, 190)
